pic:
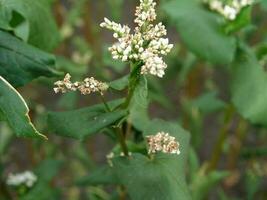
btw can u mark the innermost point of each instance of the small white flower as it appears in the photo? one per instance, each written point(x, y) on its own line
point(153, 64)
point(162, 142)
point(27, 178)
point(88, 86)
point(146, 44)
point(231, 10)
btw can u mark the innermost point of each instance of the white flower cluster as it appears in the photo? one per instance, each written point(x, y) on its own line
point(229, 11)
point(162, 142)
point(88, 86)
point(27, 178)
point(146, 45)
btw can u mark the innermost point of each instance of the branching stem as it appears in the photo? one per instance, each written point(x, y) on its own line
point(105, 103)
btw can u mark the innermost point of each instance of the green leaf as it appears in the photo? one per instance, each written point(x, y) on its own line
point(150, 179)
point(5, 137)
point(101, 176)
point(84, 122)
point(243, 19)
point(5, 18)
point(249, 87)
point(162, 177)
point(204, 183)
point(208, 103)
point(16, 111)
point(179, 133)
point(202, 31)
point(193, 164)
point(157, 93)
point(139, 105)
point(48, 169)
point(43, 191)
point(42, 28)
point(120, 84)
point(21, 63)
point(66, 65)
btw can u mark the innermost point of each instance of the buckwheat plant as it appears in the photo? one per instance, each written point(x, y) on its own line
point(143, 49)
point(229, 9)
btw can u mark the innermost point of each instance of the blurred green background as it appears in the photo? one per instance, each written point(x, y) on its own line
point(194, 92)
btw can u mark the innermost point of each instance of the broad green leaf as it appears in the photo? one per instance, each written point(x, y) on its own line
point(42, 191)
point(120, 83)
point(48, 169)
point(249, 87)
point(5, 18)
point(162, 177)
point(181, 135)
point(101, 176)
point(193, 164)
point(150, 179)
point(66, 65)
point(139, 105)
point(5, 137)
point(208, 103)
point(42, 28)
point(16, 111)
point(157, 93)
point(21, 63)
point(243, 19)
point(201, 30)
point(84, 122)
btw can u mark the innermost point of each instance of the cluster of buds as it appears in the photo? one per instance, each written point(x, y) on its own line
point(229, 11)
point(146, 44)
point(162, 142)
point(26, 178)
point(87, 86)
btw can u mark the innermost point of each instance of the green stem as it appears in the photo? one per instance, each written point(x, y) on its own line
point(133, 81)
point(122, 142)
point(218, 148)
point(105, 103)
point(236, 144)
point(118, 130)
point(122, 192)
